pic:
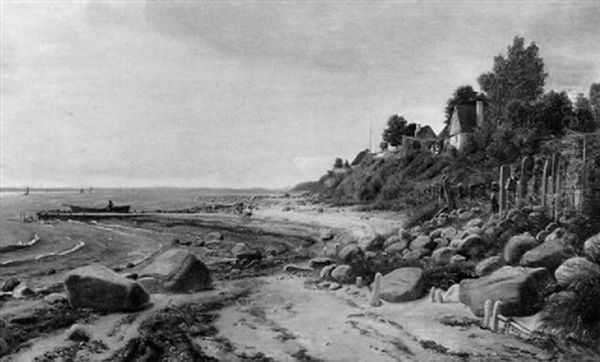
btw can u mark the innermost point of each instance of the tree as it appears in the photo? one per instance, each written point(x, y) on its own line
point(594, 97)
point(462, 95)
point(396, 128)
point(518, 76)
point(383, 145)
point(338, 163)
point(555, 113)
point(584, 114)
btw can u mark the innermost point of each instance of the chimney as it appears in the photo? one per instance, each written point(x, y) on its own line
point(479, 113)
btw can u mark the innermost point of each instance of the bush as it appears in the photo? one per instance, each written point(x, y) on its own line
point(575, 313)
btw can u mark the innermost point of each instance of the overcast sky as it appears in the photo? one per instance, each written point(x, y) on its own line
point(240, 94)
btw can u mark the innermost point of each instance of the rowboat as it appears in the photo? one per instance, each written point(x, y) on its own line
point(121, 209)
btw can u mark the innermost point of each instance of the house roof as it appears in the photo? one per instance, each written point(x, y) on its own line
point(444, 133)
point(425, 133)
point(466, 115)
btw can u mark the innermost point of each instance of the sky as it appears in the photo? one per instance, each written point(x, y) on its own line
point(248, 94)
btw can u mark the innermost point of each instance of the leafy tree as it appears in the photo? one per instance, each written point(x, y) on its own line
point(396, 128)
point(584, 114)
point(338, 163)
point(520, 75)
point(555, 113)
point(462, 95)
point(594, 97)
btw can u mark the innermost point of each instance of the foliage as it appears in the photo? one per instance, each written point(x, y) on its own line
point(585, 115)
point(462, 95)
point(338, 163)
point(575, 313)
point(520, 75)
point(397, 127)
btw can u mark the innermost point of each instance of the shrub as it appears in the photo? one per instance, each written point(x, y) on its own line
point(575, 313)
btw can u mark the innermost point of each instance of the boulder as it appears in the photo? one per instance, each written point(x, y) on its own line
point(437, 233)
point(326, 272)
point(240, 249)
point(449, 233)
point(535, 219)
point(549, 254)
point(215, 235)
point(343, 274)
point(334, 286)
point(55, 298)
point(542, 235)
point(476, 222)
point(422, 242)
point(10, 284)
point(395, 248)
point(101, 289)
point(372, 243)
point(178, 270)
point(471, 246)
point(442, 255)
point(575, 269)
point(291, 268)
point(517, 246)
point(350, 252)
point(563, 236)
point(327, 235)
point(452, 294)
point(457, 259)
point(22, 291)
point(474, 230)
point(402, 285)
point(519, 290)
point(318, 263)
point(395, 239)
point(78, 333)
point(150, 284)
point(489, 265)
point(413, 255)
point(591, 247)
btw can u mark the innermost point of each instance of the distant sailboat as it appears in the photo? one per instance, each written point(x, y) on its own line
point(26, 191)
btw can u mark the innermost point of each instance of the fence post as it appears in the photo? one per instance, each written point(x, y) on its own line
point(487, 313)
point(495, 313)
point(375, 302)
point(504, 175)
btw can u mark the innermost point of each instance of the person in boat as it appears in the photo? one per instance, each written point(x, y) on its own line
point(110, 205)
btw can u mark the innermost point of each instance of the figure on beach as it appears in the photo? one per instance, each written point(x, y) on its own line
point(110, 205)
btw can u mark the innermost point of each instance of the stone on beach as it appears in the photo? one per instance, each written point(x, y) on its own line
point(326, 271)
point(519, 289)
point(591, 247)
point(350, 253)
point(316, 263)
point(22, 291)
point(402, 285)
point(422, 242)
point(179, 270)
point(552, 252)
point(78, 333)
point(55, 298)
point(343, 274)
point(99, 288)
point(10, 284)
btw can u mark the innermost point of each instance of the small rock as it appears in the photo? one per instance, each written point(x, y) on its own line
point(290, 268)
point(55, 298)
point(413, 255)
point(489, 265)
point(215, 235)
point(457, 259)
point(317, 263)
point(472, 246)
point(476, 222)
point(452, 294)
point(395, 248)
point(22, 291)
point(326, 271)
point(324, 284)
point(591, 247)
point(334, 286)
point(401, 285)
point(350, 252)
point(150, 284)
point(132, 276)
point(78, 333)
point(10, 284)
point(442, 256)
point(422, 242)
point(327, 235)
point(342, 274)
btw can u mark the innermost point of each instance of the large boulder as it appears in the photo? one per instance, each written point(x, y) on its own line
point(178, 270)
point(413, 255)
point(574, 270)
point(489, 265)
point(402, 285)
point(557, 247)
point(591, 247)
point(395, 239)
point(99, 288)
point(371, 243)
point(517, 246)
point(519, 290)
